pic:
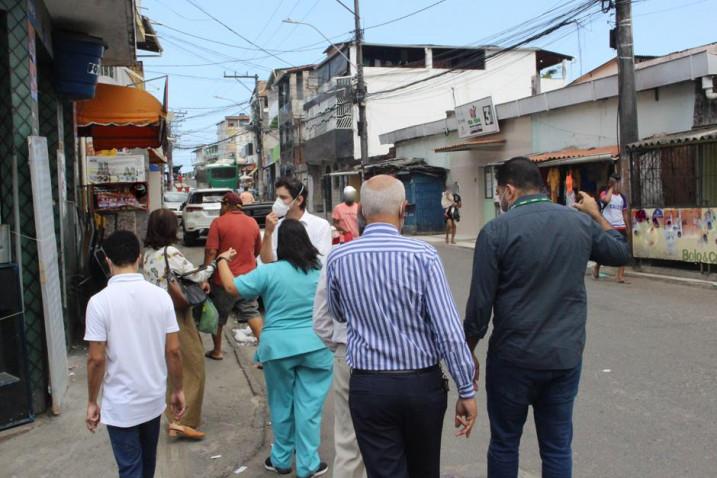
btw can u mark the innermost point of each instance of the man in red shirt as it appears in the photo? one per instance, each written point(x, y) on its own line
point(233, 229)
point(345, 216)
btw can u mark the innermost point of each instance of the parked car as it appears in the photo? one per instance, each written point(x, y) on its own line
point(173, 201)
point(201, 208)
point(259, 211)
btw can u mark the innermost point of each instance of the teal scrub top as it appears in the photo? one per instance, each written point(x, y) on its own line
point(288, 295)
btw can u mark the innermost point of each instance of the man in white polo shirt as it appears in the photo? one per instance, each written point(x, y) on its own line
point(132, 333)
point(291, 195)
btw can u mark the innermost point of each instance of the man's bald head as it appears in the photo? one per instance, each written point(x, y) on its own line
point(382, 197)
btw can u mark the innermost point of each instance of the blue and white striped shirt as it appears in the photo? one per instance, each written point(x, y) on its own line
point(393, 294)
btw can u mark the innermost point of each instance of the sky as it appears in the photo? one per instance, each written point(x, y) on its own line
point(196, 66)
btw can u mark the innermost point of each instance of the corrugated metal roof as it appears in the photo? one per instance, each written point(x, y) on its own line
point(575, 153)
point(472, 143)
point(692, 136)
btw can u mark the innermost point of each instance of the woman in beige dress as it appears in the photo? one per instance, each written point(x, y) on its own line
point(161, 234)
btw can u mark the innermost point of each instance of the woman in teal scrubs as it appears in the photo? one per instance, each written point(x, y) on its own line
point(297, 364)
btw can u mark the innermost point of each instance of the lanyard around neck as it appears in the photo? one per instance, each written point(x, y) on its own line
point(524, 202)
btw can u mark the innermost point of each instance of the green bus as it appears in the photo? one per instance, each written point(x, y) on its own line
point(217, 175)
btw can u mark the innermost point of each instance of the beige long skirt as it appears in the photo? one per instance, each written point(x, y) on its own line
point(193, 376)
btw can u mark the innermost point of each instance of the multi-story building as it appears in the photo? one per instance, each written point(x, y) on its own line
point(292, 86)
point(234, 137)
point(265, 112)
point(408, 84)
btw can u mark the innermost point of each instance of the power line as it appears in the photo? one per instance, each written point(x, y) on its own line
point(168, 7)
point(271, 17)
point(346, 7)
point(280, 24)
point(207, 61)
point(192, 2)
point(288, 35)
point(300, 49)
point(562, 20)
point(398, 19)
point(182, 75)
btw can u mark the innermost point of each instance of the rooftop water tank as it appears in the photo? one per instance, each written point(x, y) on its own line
point(77, 64)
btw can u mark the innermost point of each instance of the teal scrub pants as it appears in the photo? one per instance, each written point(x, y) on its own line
point(297, 387)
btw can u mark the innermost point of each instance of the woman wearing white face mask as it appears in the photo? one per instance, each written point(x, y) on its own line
point(291, 195)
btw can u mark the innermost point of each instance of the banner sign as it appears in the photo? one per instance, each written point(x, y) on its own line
point(115, 169)
point(687, 235)
point(477, 118)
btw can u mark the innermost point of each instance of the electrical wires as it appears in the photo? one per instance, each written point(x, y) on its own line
point(529, 33)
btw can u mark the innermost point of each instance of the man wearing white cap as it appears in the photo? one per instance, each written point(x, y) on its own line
point(345, 215)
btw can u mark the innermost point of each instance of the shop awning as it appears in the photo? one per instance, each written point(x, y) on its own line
point(119, 106)
point(575, 156)
point(480, 142)
point(121, 117)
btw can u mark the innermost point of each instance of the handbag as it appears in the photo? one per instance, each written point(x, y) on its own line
point(184, 292)
point(208, 318)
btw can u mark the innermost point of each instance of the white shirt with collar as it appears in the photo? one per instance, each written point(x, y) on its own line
point(319, 231)
point(133, 318)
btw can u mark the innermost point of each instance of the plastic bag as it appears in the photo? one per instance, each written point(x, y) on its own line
point(208, 318)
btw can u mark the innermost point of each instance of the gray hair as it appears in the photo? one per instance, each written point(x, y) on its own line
point(382, 195)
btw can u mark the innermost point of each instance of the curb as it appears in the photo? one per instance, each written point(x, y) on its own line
point(686, 281)
point(258, 399)
point(703, 284)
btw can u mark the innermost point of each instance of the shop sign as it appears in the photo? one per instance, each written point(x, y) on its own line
point(477, 118)
point(688, 235)
point(128, 168)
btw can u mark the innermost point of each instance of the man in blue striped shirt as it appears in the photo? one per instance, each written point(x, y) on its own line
point(393, 294)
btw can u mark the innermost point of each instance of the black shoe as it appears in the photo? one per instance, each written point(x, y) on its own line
point(281, 471)
point(323, 468)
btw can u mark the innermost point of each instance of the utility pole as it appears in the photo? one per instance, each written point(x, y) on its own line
point(627, 97)
point(360, 88)
point(258, 130)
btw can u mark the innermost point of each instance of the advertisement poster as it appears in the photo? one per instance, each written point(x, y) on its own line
point(477, 118)
point(115, 169)
point(688, 235)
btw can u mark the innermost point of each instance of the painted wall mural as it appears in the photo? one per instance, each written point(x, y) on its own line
point(688, 235)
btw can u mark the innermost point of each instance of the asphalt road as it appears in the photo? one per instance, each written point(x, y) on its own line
point(647, 404)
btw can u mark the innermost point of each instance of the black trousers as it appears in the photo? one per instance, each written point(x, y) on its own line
point(398, 421)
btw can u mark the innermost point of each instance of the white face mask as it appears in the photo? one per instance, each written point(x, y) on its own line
point(280, 208)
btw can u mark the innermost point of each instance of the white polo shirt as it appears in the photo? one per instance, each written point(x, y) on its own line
point(133, 317)
point(319, 231)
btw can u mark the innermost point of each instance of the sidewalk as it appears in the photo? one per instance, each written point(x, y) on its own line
point(665, 274)
point(234, 418)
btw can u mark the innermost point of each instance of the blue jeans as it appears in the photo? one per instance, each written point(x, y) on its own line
point(135, 448)
point(511, 390)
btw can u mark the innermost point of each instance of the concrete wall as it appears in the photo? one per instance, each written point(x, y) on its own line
point(669, 110)
point(505, 78)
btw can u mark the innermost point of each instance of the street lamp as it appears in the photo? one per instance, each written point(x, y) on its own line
point(297, 22)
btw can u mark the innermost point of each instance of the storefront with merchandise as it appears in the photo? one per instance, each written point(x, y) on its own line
point(123, 134)
point(570, 171)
